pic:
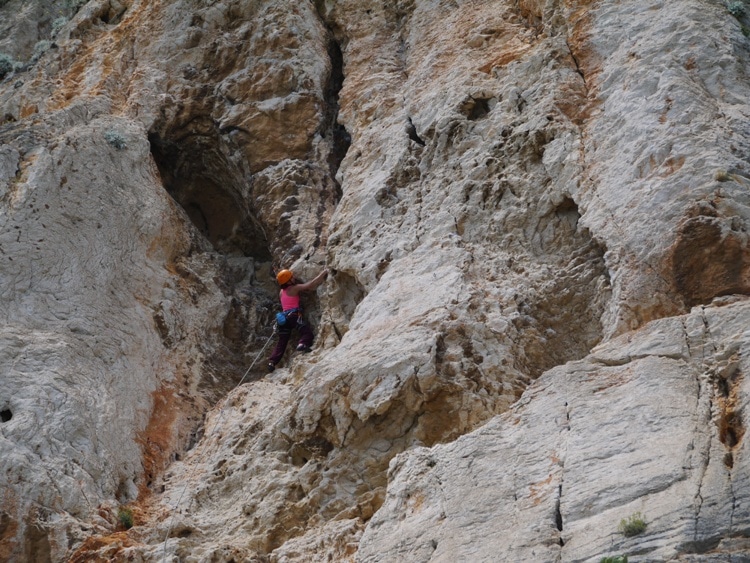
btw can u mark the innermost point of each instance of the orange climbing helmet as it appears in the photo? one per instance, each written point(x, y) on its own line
point(284, 276)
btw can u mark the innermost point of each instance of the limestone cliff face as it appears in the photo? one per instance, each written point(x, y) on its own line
point(535, 217)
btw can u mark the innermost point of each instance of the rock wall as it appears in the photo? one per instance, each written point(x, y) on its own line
point(516, 200)
point(552, 479)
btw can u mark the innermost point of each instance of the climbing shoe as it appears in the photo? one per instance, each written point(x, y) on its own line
point(271, 367)
point(303, 348)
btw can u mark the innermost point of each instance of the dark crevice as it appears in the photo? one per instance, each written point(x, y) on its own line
point(731, 428)
point(728, 434)
point(5, 415)
point(412, 132)
point(701, 543)
point(722, 386)
point(558, 514)
point(558, 500)
point(579, 70)
point(729, 460)
point(340, 138)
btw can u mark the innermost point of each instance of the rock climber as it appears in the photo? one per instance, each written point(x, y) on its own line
point(291, 317)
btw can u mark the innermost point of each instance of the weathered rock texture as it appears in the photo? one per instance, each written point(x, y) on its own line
point(508, 194)
point(552, 479)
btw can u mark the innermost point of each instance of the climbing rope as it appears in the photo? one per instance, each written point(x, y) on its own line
point(195, 466)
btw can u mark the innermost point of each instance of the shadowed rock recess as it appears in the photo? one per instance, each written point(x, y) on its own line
point(535, 219)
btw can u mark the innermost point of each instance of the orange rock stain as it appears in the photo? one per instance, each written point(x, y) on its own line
point(139, 20)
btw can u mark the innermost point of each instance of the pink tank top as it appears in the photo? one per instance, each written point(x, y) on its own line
point(289, 301)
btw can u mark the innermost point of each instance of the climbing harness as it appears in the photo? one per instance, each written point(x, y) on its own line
point(282, 316)
point(195, 466)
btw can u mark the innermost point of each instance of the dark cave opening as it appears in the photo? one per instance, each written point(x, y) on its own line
point(5, 415)
point(477, 108)
point(212, 190)
point(207, 186)
point(568, 212)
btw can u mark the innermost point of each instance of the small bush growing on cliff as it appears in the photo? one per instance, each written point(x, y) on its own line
point(6, 65)
point(40, 48)
point(58, 24)
point(616, 559)
point(722, 176)
point(736, 8)
point(632, 525)
point(125, 516)
point(115, 139)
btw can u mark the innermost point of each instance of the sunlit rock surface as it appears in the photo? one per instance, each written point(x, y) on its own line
point(544, 201)
point(649, 424)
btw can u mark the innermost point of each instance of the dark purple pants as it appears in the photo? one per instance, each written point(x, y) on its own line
point(285, 333)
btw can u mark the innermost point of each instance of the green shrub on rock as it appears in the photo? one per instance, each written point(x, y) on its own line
point(58, 24)
point(7, 65)
point(736, 8)
point(40, 48)
point(632, 525)
point(125, 516)
point(115, 139)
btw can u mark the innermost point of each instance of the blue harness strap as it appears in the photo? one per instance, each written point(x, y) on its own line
point(284, 315)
